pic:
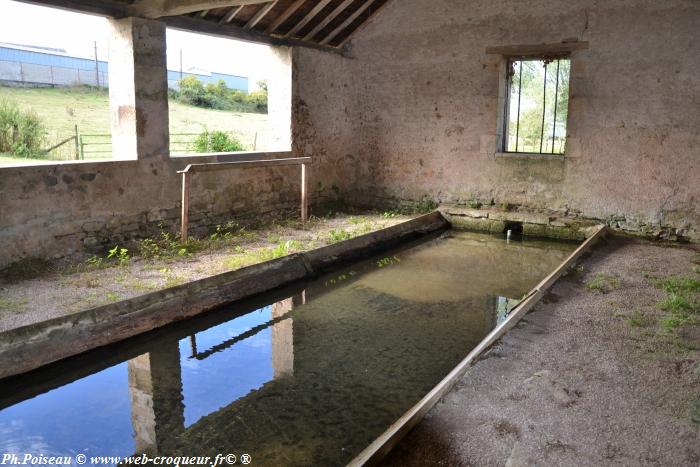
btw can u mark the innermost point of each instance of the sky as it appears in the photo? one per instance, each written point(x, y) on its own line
point(21, 23)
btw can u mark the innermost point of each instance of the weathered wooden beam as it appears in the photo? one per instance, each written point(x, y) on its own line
point(232, 31)
point(314, 11)
point(97, 7)
point(260, 15)
point(347, 22)
point(284, 16)
point(160, 8)
point(231, 14)
point(326, 21)
point(533, 50)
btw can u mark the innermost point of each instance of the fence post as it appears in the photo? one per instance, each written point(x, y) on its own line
point(77, 144)
point(82, 147)
point(255, 142)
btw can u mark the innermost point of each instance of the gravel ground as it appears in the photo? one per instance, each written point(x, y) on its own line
point(80, 286)
point(590, 377)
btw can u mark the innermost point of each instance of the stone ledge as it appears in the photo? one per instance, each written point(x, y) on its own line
point(29, 347)
point(554, 224)
point(535, 224)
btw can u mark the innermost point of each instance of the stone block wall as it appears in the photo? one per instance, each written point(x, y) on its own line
point(414, 114)
point(52, 211)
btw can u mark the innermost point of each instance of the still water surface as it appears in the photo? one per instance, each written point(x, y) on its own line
point(306, 375)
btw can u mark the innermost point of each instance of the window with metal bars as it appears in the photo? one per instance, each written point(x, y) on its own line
point(537, 106)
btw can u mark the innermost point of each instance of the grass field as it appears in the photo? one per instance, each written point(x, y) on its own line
point(63, 108)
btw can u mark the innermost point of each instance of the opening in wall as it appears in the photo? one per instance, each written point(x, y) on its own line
point(54, 103)
point(537, 105)
point(220, 93)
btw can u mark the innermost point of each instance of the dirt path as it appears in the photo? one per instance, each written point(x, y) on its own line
point(160, 263)
point(596, 375)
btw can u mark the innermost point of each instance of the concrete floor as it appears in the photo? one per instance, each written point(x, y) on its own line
point(586, 379)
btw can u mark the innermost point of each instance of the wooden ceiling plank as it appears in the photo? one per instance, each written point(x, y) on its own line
point(232, 31)
point(326, 21)
point(284, 16)
point(346, 23)
point(110, 8)
point(161, 8)
point(365, 23)
point(320, 6)
point(231, 14)
point(260, 14)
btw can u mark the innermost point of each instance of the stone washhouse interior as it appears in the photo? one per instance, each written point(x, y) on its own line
point(471, 240)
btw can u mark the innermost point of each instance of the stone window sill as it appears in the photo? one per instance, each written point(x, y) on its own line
point(531, 155)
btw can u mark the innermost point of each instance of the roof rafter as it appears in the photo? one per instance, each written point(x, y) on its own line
point(320, 6)
point(161, 8)
point(260, 14)
point(232, 31)
point(347, 22)
point(231, 14)
point(284, 16)
point(334, 14)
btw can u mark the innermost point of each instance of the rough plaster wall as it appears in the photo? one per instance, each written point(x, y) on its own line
point(425, 101)
point(322, 123)
point(54, 211)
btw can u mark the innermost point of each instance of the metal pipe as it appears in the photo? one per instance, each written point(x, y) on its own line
point(556, 102)
point(520, 91)
point(544, 105)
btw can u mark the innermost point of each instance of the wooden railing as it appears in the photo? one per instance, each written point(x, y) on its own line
point(191, 169)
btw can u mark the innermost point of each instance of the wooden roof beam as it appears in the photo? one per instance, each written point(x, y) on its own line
point(347, 22)
point(326, 21)
point(260, 15)
point(320, 6)
point(232, 31)
point(162, 8)
point(284, 16)
point(231, 14)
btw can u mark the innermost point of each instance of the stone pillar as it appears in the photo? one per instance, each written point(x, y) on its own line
point(138, 89)
point(157, 409)
point(283, 340)
point(279, 99)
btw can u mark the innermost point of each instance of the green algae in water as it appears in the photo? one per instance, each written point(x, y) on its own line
point(310, 378)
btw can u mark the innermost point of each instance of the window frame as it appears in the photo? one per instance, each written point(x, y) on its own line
point(505, 85)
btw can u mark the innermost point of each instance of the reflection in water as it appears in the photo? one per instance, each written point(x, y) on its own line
point(312, 377)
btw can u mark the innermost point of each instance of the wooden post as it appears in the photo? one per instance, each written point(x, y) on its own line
point(77, 144)
point(185, 207)
point(82, 146)
point(304, 200)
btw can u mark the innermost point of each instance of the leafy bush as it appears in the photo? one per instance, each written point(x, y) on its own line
point(22, 132)
point(192, 91)
point(219, 96)
point(216, 141)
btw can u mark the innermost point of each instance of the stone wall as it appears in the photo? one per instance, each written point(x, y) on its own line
point(414, 115)
point(51, 211)
point(69, 208)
